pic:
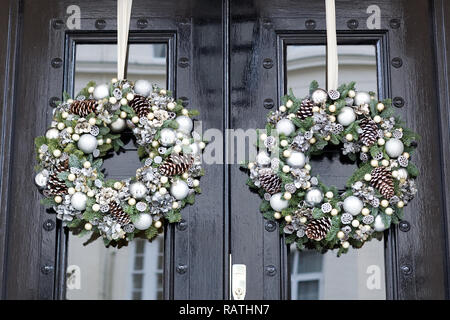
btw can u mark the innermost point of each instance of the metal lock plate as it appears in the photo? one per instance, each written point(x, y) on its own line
point(239, 275)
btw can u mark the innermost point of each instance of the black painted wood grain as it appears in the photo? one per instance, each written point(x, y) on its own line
point(8, 57)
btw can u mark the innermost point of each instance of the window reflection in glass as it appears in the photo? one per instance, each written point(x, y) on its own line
point(359, 274)
point(133, 272)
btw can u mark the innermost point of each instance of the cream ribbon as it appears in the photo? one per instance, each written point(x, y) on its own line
point(332, 55)
point(123, 27)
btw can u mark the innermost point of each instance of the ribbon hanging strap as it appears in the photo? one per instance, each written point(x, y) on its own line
point(123, 27)
point(332, 55)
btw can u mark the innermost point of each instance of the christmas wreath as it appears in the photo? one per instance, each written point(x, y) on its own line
point(87, 129)
point(317, 216)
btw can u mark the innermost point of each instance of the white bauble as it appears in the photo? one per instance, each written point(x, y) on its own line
point(362, 98)
point(313, 196)
point(143, 222)
point(379, 224)
point(402, 173)
point(101, 91)
point(138, 190)
point(296, 159)
point(319, 96)
point(194, 147)
point(87, 143)
point(263, 159)
point(78, 201)
point(353, 205)
point(185, 124)
point(142, 87)
point(179, 189)
point(52, 133)
point(277, 202)
point(285, 126)
point(41, 179)
point(118, 125)
point(346, 116)
point(168, 137)
point(394, 148)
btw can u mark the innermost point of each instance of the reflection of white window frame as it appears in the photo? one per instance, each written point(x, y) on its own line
point(296, 277)
point(150, 269)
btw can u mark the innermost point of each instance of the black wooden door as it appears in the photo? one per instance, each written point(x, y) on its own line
point(40, 49)
point(409, 34)
point(226, 58)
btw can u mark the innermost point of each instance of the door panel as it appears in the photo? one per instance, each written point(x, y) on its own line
point(194, 257)
point(260, 32)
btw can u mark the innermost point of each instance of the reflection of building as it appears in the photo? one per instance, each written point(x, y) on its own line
point(356, 274)
point(135, 272)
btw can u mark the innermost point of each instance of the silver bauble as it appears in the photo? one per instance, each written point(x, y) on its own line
point(353, 205)
point(263, 159)
point(101, 91)
point(319, 96)
point(379, 224)
point(313, 196)
point(296, 159)
point(361, 98)
point(185, 124)
point(52, 133)
point(394, 148)
point(168, 137)
point(143, 221)
point(142, 87)
point(285, 126)
point(179, 190)
point(119, 125)
point(41, 179)
point(278, 203)
point(138, 190)
point(78, 201)
point(346, 116)
point(87, 143)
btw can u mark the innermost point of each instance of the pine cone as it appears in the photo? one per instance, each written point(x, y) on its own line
point(176, 164)
point(118, 214)
point(271, 183)
point(305, 109)
point(83, 108)
point(56, 186)
point(140, 105)
point(369, 131)
point(317, 229)
point(383, 182)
